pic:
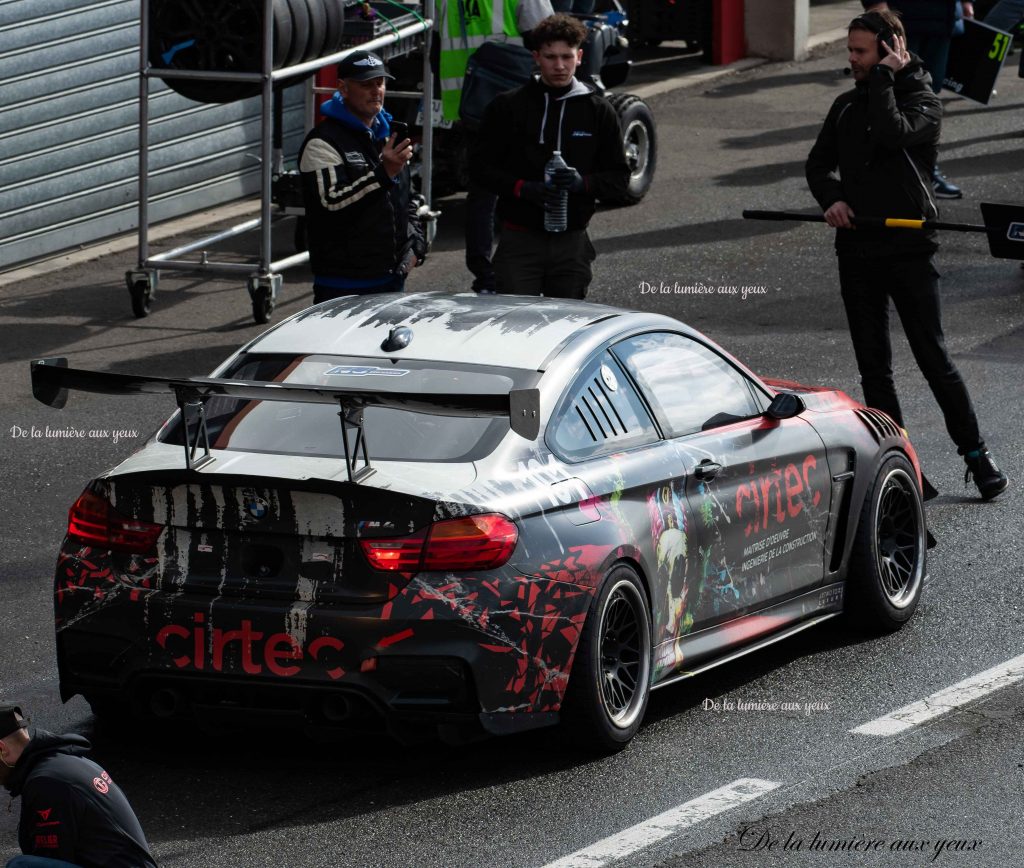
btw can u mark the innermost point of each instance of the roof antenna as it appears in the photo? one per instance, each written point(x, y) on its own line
point(398, 339)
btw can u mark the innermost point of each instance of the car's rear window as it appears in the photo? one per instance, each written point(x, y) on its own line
point(293, 428)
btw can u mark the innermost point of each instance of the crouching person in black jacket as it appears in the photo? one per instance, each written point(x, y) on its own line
point(873, 158)
point(363, 231)
point(72, 813)
point(521, 130)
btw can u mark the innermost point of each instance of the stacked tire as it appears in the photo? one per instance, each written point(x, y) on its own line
point(227, 36)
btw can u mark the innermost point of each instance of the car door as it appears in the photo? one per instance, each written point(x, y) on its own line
point(759, 488)
point(603, 431)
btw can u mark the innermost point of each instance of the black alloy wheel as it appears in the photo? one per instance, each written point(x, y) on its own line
point(610, 680)
point(622, 651)
point(888, 562)
point(897, 544)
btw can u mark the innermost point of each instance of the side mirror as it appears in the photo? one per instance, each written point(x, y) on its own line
point(785, 405)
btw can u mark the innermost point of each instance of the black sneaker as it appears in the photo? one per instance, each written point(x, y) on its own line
point(944, 189)
point(989, 478)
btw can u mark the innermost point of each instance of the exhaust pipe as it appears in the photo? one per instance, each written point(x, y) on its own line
point(166, 702)
point(336, 708)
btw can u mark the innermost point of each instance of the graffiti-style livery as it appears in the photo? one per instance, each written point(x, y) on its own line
point(356, 517)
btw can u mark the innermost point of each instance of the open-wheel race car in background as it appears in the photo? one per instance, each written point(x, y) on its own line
point(354, 518)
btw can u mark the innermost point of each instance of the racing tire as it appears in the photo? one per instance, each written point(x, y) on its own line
point(888, 562)
point(297, 50)
point(335, 26)
point(225, 36)
point(639, 142)
point(318, 33)
point(610, 682)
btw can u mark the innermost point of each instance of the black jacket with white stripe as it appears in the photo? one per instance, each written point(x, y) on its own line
point(882, 137)
point(360, 223)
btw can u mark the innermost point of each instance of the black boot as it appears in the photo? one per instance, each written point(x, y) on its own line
point(989, 478)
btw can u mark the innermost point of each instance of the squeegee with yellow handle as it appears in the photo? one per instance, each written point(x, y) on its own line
point(1004, 225)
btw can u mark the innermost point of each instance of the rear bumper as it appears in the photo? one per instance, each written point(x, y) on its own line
point(493, 650)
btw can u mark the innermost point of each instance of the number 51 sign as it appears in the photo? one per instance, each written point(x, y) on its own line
point(975, 59)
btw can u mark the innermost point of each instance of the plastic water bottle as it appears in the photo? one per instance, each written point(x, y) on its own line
point(557, 219)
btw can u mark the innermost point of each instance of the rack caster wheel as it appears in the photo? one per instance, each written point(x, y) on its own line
point(263, 292)
point(141, 289)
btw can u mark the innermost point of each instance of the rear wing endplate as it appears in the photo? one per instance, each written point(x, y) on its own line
point(52, 379)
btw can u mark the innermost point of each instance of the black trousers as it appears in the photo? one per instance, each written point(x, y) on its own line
point(480, 205)
point(913, 285)
point(533, 262)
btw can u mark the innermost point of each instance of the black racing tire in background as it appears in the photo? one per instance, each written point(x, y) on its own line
point(888, 561)
point(610, 682)
point(639, 141)
point(317, 40)
point(299, 10)
point(308, 32)
point(334, 10)
point(217, 36)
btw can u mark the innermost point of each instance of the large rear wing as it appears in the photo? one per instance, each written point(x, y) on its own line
point(52, 379)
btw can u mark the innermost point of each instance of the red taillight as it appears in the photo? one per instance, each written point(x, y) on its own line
point(93, 521)
point(398, 554)
point(477, 542)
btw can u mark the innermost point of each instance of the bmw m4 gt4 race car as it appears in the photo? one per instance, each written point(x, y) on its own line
point(463, 513)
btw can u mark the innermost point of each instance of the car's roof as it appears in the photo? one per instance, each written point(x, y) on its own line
point(509, 330)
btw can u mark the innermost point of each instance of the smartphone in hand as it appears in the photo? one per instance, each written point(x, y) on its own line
point(400, 130)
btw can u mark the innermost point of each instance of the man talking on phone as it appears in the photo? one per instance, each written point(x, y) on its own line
point(362, 229)
point(873, 158)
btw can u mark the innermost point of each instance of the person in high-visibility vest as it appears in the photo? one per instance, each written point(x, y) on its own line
point(468, 24)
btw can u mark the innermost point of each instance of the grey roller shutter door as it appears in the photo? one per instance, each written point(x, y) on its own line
point(69, 131)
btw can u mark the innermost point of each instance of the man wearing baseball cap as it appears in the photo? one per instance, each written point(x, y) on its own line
point(363, 232)
point(72, 813)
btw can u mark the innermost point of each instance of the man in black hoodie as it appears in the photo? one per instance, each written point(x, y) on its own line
point(72, 813)
point(521, 130)
point(882, 137)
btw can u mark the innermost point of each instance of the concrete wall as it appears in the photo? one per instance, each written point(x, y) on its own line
point(777, 29)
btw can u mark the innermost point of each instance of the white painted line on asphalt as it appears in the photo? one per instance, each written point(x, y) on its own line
point(671, 822)
point(946, 700)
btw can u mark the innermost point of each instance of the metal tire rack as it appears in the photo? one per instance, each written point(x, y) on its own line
point(263, 277)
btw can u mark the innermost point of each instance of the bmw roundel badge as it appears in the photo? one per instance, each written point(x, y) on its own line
point(257, 507)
